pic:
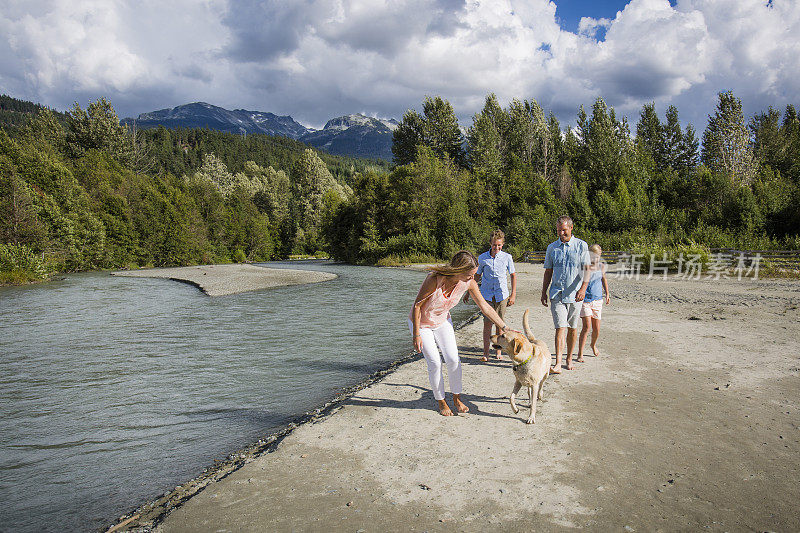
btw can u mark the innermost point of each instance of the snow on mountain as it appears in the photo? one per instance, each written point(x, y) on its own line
point(204, 115)
point(355, 134)
point(352, 135)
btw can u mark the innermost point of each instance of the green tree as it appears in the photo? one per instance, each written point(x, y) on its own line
point(407, 136)
point(215, 172)
point(552, 150)
point(650, 135)
point(486, 141)
point(674, 141)
point(97, 128)
point(437, 128)
point(45, 129)
point(19, 214)
point(315, 192)
point(442, 133)
point(769, 142)
point(604, 147)
point(689, 154)
point(790, 128)
point(727, 147)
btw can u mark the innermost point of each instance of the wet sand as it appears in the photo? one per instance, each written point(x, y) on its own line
point(219, 280)
point(688, 420)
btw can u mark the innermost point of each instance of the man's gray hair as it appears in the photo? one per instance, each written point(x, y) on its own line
point(564, 220)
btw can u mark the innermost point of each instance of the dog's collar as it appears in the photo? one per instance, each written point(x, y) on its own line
point(525, 362)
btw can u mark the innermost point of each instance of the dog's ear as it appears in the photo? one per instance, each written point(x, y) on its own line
point(516, 346)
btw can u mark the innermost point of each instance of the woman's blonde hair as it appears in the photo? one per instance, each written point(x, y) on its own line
point(461, 263)
point(596, 249)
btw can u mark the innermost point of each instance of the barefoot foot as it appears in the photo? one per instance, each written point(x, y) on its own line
point(596, 351)
point(444, 409)
point(579, 359)
point(460, 407)
point(484, 359)
point(555, 370)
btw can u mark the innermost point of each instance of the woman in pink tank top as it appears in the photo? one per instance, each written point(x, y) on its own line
point(432, 327)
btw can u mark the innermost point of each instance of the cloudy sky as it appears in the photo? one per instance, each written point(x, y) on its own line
point(317, 59)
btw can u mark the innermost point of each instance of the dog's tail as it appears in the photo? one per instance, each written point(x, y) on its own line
point(528, 332)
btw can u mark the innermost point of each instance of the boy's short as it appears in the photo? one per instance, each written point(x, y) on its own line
point(499, 307)
point(592, 309)
point(565, 315)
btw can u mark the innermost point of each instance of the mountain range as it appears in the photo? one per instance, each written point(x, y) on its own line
point(351, 135)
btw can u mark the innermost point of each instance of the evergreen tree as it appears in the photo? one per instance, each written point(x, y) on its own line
point(97, 128)
point(726, 141)
point(406, 137)
point(437, 128)
point(650, 135)
point(315, 193)
point(552, 150)
point(689, 154)
point(673, 140)
point(486, 141)
point(604, 147)
point(790, 164)
point(441, 131)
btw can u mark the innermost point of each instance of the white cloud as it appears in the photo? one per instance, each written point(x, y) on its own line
point(321, 58)
point(76, 45)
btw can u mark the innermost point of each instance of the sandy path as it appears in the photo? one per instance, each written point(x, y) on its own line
point(219, 280)
point(688, 420)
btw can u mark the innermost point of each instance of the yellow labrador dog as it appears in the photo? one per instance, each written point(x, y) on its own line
point(531, 360)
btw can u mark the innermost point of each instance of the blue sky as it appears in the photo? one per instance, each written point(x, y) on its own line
point(570, 12)
point(317, 59)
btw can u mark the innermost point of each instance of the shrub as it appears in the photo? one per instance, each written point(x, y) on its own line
point(396, 260)
point(238, 256)
point(18, 264)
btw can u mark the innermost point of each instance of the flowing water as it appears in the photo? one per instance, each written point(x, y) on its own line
point(113, 389)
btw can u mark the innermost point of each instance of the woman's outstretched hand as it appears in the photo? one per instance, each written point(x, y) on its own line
point(418, 343)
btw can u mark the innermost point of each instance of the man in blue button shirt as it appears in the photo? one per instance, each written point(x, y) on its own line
point(566, 273)
point(493, 265)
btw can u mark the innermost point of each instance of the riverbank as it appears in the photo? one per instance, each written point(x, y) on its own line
point(219, 280)
point(687, 420)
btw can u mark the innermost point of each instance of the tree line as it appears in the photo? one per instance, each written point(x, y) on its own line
point(657, 188)
point(79, 191)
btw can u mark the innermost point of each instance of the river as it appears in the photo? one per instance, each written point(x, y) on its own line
point(115, 389)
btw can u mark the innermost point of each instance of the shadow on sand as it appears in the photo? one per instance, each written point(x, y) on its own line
point(426, 401)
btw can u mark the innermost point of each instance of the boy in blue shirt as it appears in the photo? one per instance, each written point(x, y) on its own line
point(493, 266)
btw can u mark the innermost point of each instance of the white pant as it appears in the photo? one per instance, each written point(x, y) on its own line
point(444, 336)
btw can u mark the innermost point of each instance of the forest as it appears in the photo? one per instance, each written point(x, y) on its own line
point(78, 191)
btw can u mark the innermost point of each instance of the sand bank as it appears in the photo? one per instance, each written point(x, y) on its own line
point(219, 280)
point(688, 420)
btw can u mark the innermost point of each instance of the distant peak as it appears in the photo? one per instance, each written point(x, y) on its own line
point(359, 119)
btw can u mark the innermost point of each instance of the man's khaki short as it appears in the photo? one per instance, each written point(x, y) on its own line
point(499, 307)
point(565, 315)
